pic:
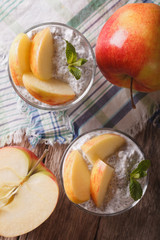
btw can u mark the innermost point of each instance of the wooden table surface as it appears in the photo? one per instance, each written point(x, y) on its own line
point(68, 222)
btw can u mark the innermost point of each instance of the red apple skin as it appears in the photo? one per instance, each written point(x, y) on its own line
point(128, 46)
point(33, 157)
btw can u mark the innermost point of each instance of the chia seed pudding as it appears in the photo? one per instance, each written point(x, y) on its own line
point(60, 33)
point(124, 161)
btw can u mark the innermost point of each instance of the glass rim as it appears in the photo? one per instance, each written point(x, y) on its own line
point(70, 104)
point(93, 212)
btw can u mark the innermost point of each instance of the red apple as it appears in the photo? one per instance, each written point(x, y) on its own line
point(128, 47)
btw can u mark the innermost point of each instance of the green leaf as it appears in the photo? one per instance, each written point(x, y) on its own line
point(144, 165)
point(72, 61)
point(71, 54)
point(135, 174)
point(135, 189)
point(75, 72)
point(140, 171)
point(79, 63)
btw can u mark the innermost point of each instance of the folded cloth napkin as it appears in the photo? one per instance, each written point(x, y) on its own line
point(105, 105)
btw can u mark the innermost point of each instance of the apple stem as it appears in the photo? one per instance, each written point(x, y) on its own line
point(36, 164)
point(131, 94)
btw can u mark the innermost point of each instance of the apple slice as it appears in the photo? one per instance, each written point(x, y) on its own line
point(42, 49)
point(102, 146)
point(52, 91)
point(76, 178)
point(101, 175)
point(19, 57)
point(36, 195)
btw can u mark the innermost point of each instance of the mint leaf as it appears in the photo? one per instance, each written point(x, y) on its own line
point(75, 72)
point(140, 171)
point(135, 189)
point(135, 174)
point(144, 165)
point(79, 63)
point(72, 61)
point(71, 54)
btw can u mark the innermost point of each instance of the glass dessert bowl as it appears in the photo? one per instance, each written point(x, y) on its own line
point(102, 161)
point(61, 34)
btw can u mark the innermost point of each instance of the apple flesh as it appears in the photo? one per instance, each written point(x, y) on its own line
point(102, 146)
point(19, 58)
point(32, 205)
point(41, 54)
point(128, 47)
point(36, 197)
point(15, 159)
point(52, 91)
point(76, 178)
point(101, 175)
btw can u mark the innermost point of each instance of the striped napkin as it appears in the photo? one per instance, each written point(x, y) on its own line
point(105, 105)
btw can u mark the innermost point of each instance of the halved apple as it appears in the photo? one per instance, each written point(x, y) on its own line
point(102, 146)
point(36, 197)
point(19, 57)
point(76, 178)
point(101, 175)
point(42, 50)
point(52, 91)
